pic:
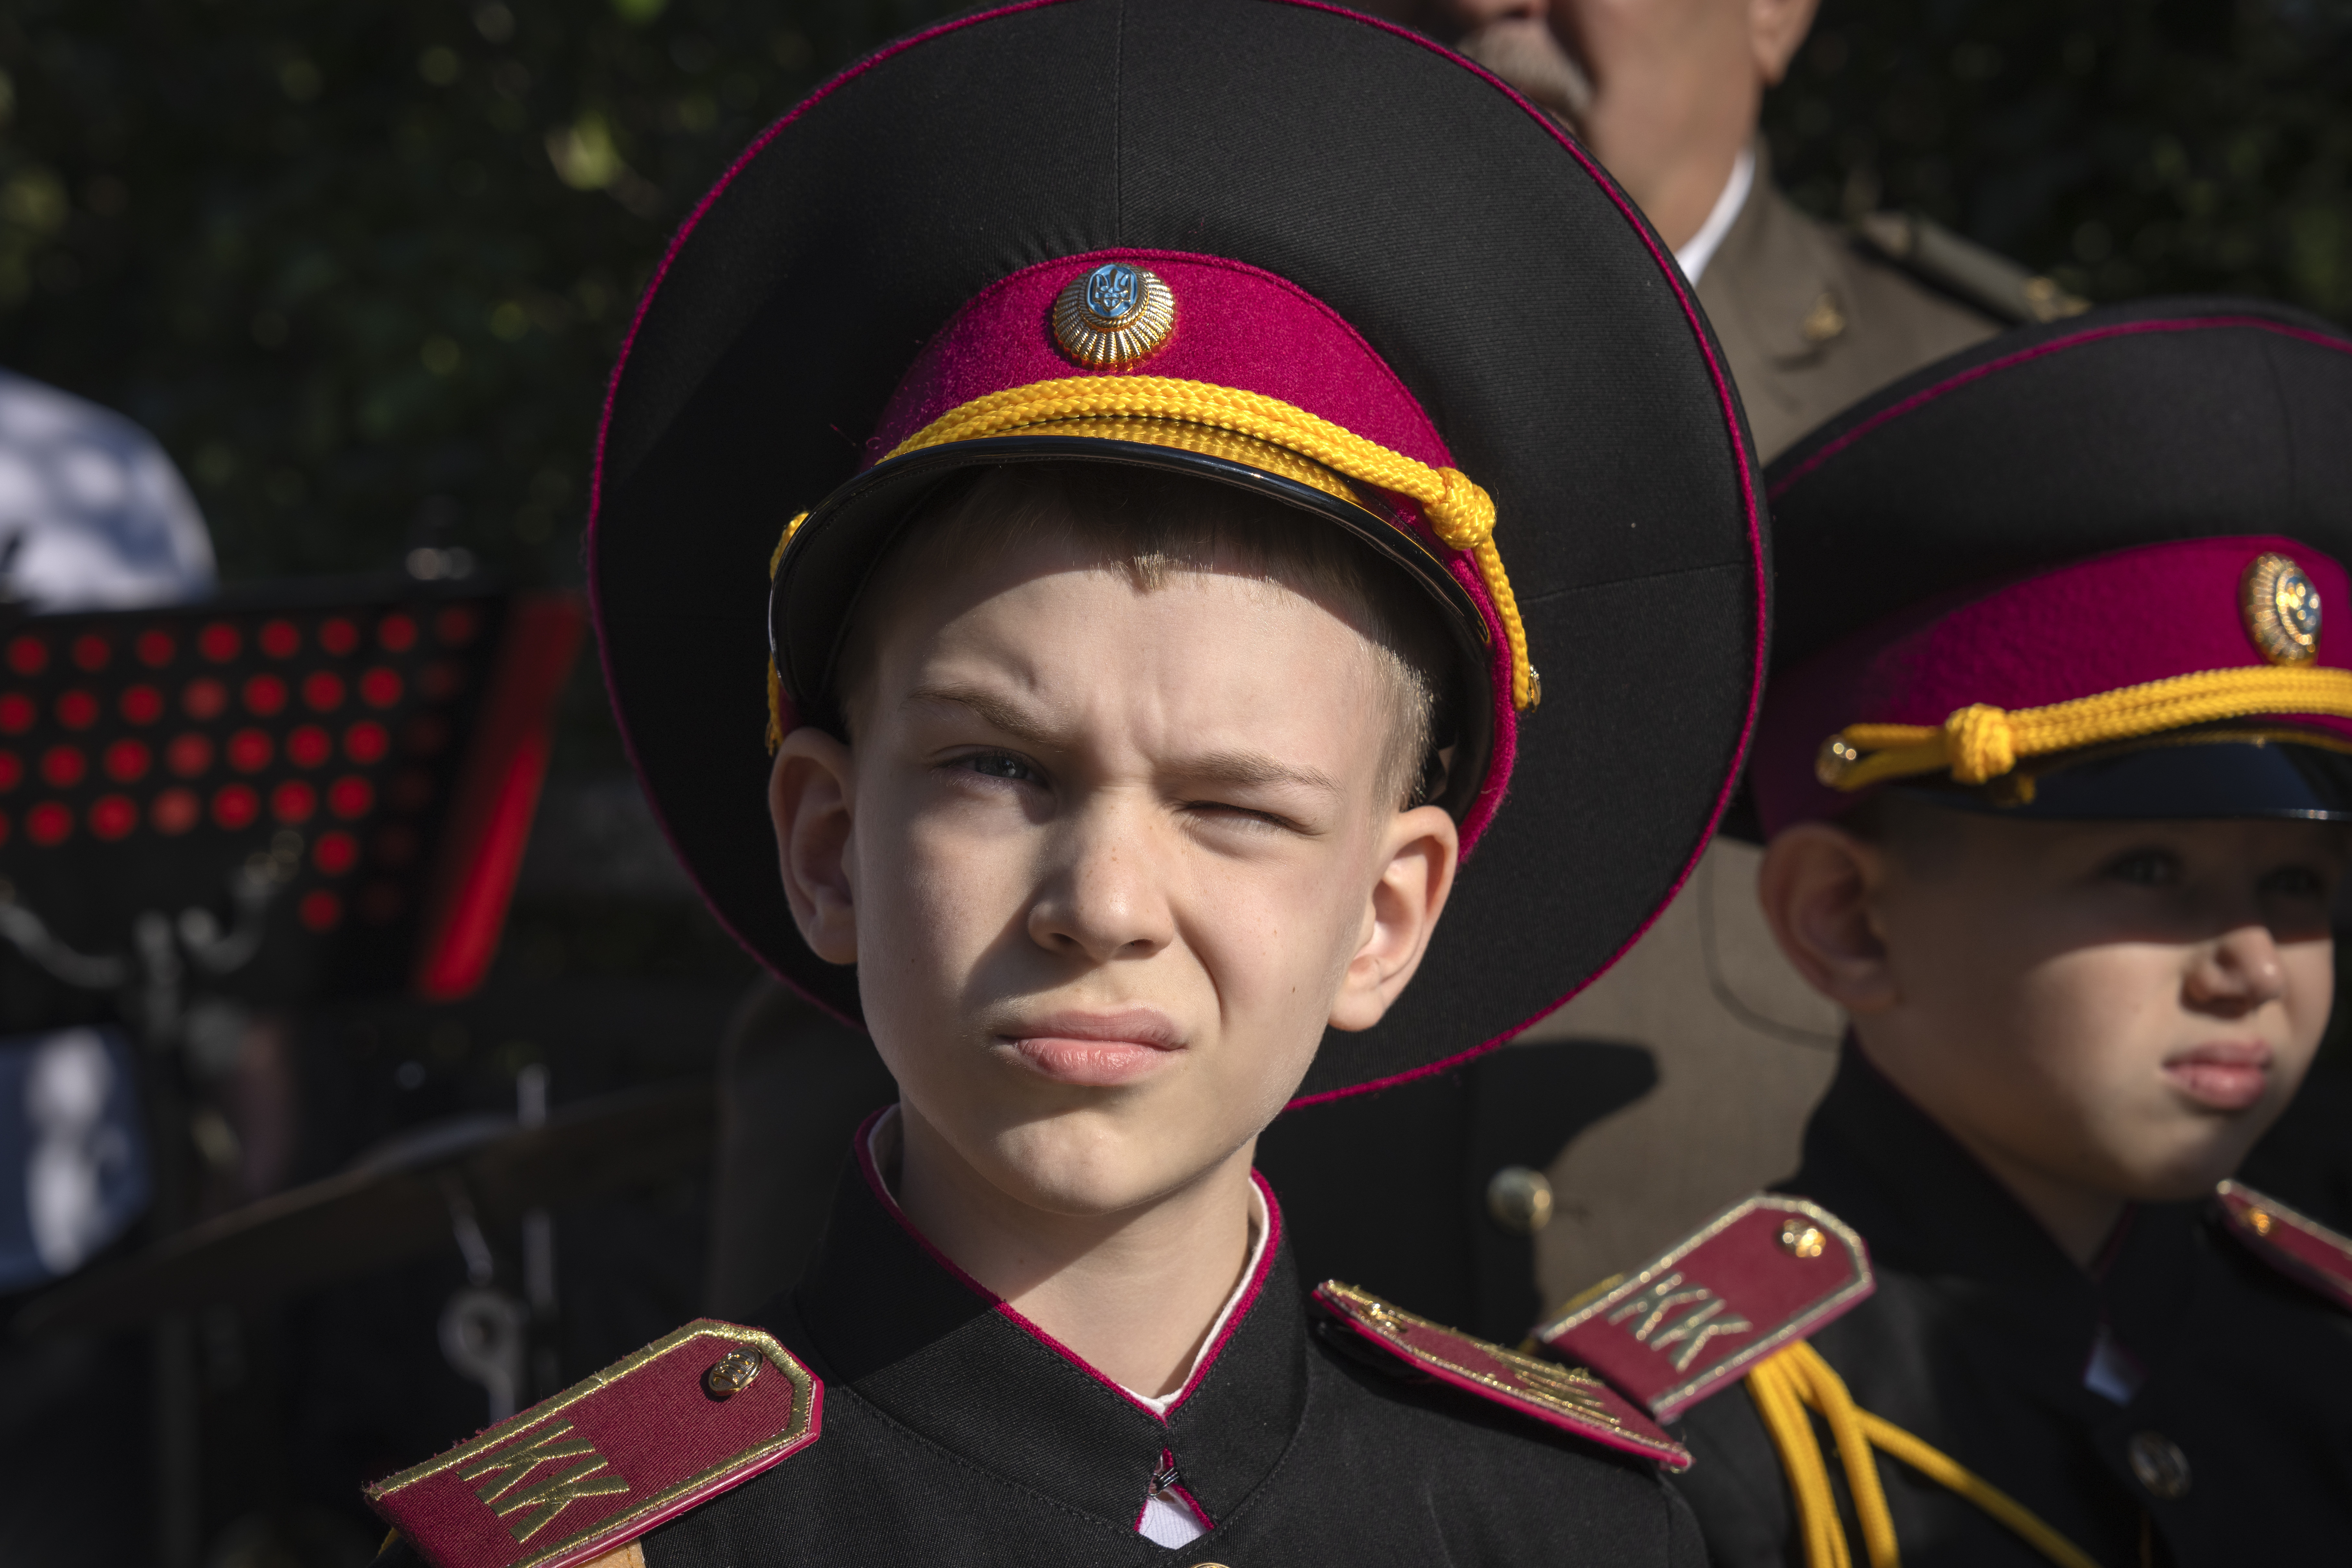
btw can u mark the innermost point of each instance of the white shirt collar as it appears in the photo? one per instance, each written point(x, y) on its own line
point(1699, 249)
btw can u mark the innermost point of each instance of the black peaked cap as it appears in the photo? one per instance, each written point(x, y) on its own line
point(1508, 284)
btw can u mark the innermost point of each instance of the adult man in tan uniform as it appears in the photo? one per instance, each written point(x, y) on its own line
point(1667, 94)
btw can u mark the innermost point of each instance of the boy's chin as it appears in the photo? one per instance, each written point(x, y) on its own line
point(1093, 1172)
point(2183, 1165)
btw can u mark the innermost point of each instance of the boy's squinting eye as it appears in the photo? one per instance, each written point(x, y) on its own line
point(2144, 868)
point(1000, 765)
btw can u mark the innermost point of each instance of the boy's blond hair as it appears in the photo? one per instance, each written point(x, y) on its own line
point(1151, 525)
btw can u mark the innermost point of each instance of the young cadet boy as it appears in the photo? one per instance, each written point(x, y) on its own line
point(2055, 772)
point(1168, 386)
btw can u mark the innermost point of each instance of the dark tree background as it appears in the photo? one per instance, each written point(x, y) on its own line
point(364, 267)
point(2127, 147)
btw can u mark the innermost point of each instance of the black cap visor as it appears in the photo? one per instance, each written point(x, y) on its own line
point(2188, 776)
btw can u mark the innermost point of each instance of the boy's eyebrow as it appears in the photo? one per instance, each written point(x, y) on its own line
point(1212, 767)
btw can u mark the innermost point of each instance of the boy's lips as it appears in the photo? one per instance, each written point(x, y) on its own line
point(1096, 1050)
point(2228, 1075)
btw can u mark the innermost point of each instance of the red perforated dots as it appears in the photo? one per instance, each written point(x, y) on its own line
point(323, 690)
point(62, 767)
point(27, 654)
point(219, 642)
point(76, 709)
point(126, 761)
point(49, 824)
point(350, 797)
point(176, 811)
point(188, 755)
point(308, 746)
point(16, 712)
point(154, 648)
point(320, 910)
point(339, 635)
point(12, 770)
point(397, 633)
point(380, 688)
point(335, 853)
point(293, 801)
point(112, 816)
point(236, 807)
point(204, 698)
point(265, 695)
point(90, 652)
point(366, 742)
point(278, 640)
point(249, 750)
point(140, 704)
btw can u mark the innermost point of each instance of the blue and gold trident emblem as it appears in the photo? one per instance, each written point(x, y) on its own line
point(1116, 316)
point(1114, 291)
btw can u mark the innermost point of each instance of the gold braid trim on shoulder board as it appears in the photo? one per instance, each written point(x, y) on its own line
point(1981, 743)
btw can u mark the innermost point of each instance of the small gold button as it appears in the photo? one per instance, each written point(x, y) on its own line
point(1519, 1199)
point(2160, 1465)
point(1823, 322)
point(1802, 1238)
point(731, 1373)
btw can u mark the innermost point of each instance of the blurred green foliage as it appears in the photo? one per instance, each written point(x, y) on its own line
point(364, 266)
point(2127, 147)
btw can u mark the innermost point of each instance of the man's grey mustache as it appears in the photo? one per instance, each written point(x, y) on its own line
point(1525, 55)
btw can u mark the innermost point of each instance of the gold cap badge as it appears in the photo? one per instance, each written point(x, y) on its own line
point(2281, 609)
point(1113, 317)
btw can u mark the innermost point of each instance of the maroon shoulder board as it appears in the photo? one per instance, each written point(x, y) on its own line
point(1566, 1397)
point(693, 1413)
point(2300, 1247)
point(1763, 1274)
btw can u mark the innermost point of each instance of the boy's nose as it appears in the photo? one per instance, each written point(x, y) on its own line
point(2239, 970)
point(1105, 901)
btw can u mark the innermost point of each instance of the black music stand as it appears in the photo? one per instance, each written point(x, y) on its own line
point(275, 795)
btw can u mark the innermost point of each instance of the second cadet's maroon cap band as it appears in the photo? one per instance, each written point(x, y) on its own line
point(2089, 570)
point(2156, 616)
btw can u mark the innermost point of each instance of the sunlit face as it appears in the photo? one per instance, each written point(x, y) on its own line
point(1116, 857)
point(2125, 1007)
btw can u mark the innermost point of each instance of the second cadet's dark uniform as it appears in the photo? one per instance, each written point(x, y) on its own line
point(1978, 1339)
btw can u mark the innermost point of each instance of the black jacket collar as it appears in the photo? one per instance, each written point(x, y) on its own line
point(891, 1319)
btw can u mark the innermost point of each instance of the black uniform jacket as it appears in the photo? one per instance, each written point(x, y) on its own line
point(1977, 1340)
point(955, 1432)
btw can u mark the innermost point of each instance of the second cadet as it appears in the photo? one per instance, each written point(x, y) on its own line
point(2055, 768)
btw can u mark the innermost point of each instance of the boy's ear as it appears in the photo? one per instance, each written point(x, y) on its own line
point(1819, 887)
point(1423, 848)
point(811, 798)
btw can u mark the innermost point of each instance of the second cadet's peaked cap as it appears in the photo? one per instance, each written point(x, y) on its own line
point(1273, 245)
point(2089, 570)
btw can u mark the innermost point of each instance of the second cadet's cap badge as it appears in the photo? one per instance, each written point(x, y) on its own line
point(1114, 316)
point(2281, 609)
